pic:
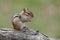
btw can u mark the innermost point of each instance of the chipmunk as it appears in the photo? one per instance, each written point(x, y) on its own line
point(20, 18)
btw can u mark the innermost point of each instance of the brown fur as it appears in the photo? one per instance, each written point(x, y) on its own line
point(15, 26)
point(17, 19)
point(31, 14)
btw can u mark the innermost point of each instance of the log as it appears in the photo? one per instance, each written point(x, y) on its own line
point(11, 34)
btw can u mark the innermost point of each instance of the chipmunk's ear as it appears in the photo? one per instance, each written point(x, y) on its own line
point(25, 9)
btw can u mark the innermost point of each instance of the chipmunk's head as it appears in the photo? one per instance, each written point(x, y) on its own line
point(26, 14)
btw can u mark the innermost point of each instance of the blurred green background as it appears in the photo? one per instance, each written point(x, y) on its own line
point(46, 14)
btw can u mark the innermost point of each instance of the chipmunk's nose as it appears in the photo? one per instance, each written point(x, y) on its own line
point(31, 14)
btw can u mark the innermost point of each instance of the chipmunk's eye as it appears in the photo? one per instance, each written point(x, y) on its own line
point(28, 13)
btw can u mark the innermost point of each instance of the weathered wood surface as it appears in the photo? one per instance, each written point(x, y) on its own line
point(11, 34)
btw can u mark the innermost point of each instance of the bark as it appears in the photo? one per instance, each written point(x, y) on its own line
point(11, 34)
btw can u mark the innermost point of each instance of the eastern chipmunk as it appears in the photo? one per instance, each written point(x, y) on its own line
point(20, 18)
